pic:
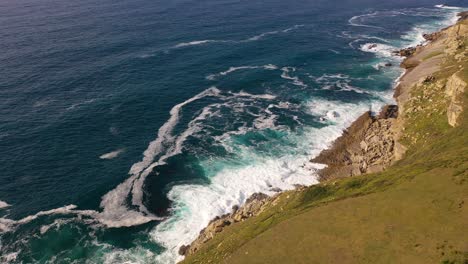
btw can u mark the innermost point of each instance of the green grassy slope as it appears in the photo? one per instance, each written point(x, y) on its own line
point(415, 212)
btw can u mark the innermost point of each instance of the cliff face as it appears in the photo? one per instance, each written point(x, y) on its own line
point(368, 145)
point(372, 144)
point(428, 125)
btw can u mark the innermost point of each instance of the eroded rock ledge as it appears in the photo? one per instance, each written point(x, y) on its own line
point(368, 145)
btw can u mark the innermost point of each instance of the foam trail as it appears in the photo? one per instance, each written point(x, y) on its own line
point(258, 37)
point(253, 38)
point(115, 211)
point(196, 43)
point(8, 224)
point(352, 20)
point(165, 132)
point(112, 154)
point(292, 28)
point(233, 69)
point(254, 96)
point(176, 148)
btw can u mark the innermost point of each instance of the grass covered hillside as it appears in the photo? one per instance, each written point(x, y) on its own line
point(416, 211)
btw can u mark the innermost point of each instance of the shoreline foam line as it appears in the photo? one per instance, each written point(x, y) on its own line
point(195, 205)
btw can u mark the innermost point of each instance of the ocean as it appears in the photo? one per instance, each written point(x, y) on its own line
point(126, 126)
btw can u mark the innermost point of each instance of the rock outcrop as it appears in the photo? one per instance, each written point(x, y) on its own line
point(463, 15)
point(406, 52)
point(455, 88)
point(253, 206)
point(367, 146)
point(431, 36)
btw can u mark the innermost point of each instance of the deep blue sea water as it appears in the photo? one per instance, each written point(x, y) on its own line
point(126, 126)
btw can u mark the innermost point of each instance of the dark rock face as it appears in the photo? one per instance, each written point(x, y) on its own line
point(407, 52)
point(431, 36)
point(183, 249)
point(463, 15)
point(429, 79)
point(389, 111)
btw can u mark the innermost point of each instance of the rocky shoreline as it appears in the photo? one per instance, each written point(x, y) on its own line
point(372, 143)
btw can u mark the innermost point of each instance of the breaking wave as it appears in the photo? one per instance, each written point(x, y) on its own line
point(195, 205)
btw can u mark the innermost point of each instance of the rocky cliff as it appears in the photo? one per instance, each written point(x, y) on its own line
point(433, 85)
point(367, 146)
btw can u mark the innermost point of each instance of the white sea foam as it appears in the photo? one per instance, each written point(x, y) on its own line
point(267, 120)
point(260, 36)
point(233, 69)
point(8, 224)
point(327, 77)
point(10, 257)
point(292, 28)
point(112, 154)
point(287, 75)
point(3, 204)
point(380, 50)
point(340, 82)
point(73, 106)
point(196, 205)
point(196, 43)
point(253, 96)
point(447, 7)
point(115, 210)
point(56, 224)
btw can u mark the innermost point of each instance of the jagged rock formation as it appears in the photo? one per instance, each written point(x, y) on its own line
point(253, 206)
point(367, 146)
point(406, 52)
